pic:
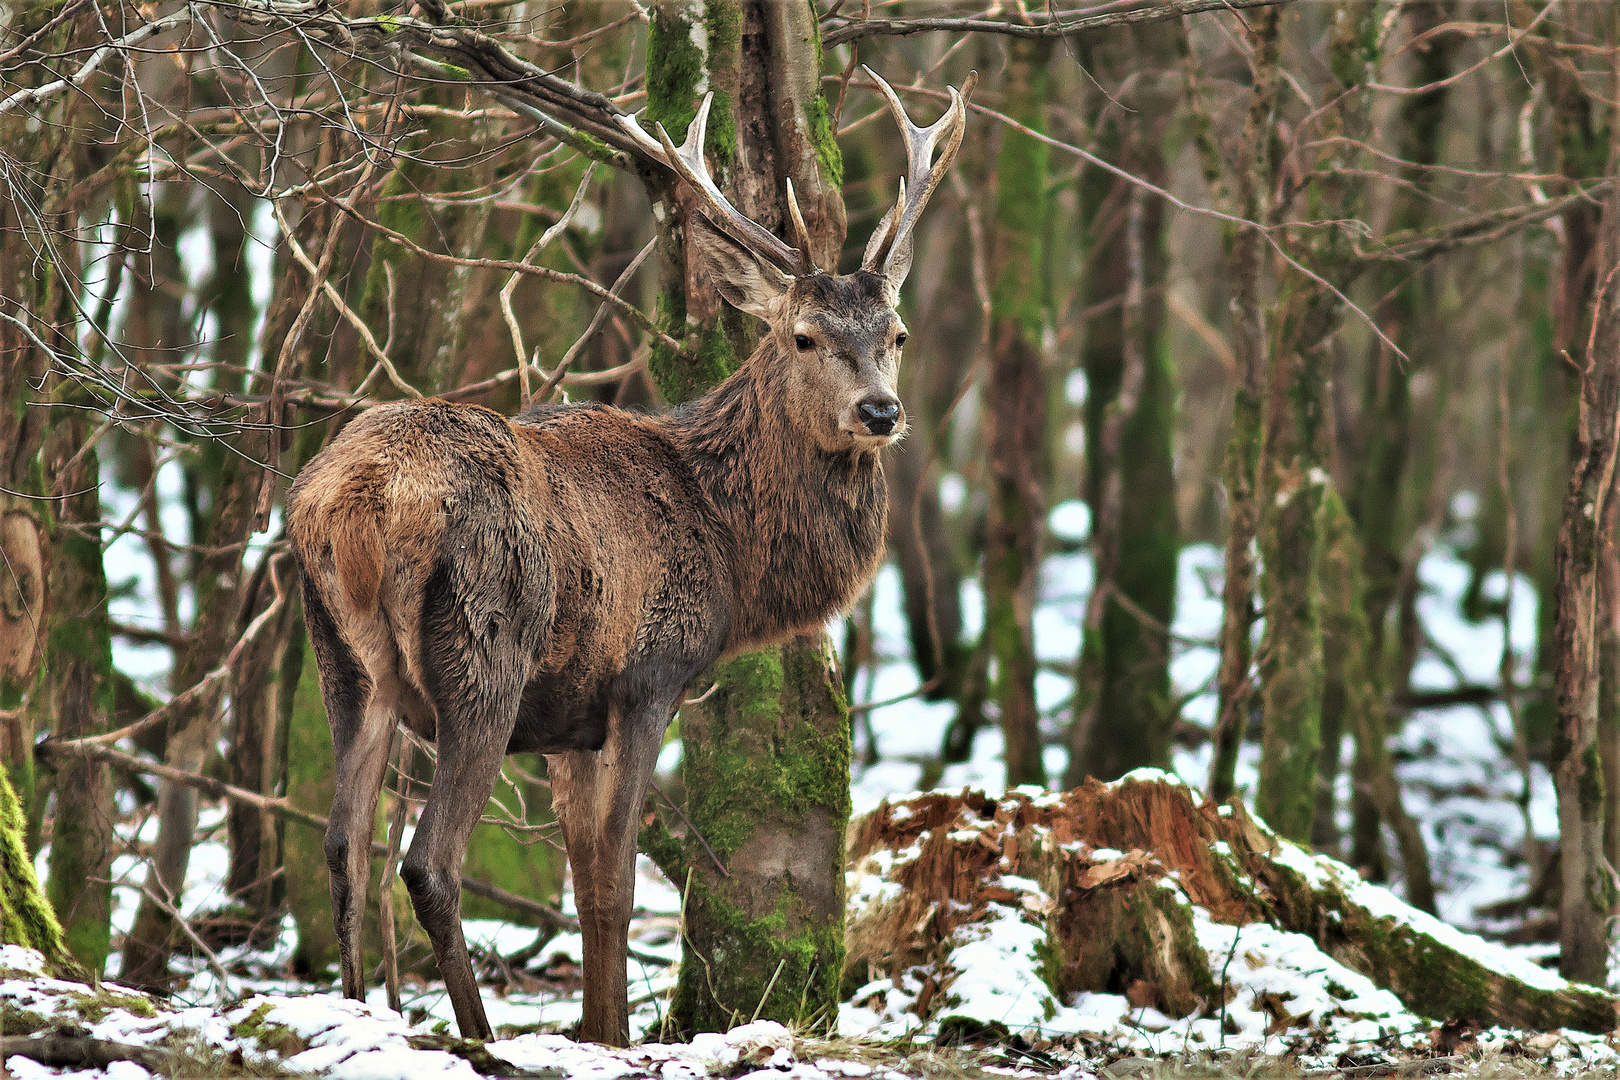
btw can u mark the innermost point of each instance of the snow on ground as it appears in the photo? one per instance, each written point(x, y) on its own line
point(1455, 770)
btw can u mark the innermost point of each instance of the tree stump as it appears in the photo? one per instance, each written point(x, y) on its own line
point(1109, 884)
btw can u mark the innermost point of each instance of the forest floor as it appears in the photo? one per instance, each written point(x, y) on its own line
point(1294, 1011)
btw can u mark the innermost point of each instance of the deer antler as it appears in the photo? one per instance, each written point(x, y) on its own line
point(687, 161)
point(890, 247)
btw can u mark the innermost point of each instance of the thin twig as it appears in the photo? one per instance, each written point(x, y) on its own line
point(511, 285)
point(694, 831)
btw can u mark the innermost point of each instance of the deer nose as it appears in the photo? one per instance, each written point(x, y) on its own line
point(879, 414)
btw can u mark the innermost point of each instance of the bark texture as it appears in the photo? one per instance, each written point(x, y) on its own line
point(1248, 192)
point(1584, 536)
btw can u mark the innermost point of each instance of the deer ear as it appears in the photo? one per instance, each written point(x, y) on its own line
point(750, 284)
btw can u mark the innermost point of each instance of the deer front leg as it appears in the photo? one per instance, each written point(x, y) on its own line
point(598, 797)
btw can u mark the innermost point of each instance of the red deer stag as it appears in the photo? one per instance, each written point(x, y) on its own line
point(553, 583)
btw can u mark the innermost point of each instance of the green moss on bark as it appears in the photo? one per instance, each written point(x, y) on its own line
point(677, 66)
point(26, 917)
point(766, 764)
point(714, 357)
point(828, 155)
point(76, 687)
point(310, 784)
point(1291, 669)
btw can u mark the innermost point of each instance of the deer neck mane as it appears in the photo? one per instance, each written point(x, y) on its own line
point(806, 527)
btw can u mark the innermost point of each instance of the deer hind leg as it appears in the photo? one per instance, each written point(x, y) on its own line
point(598, 798)
point(362, 728)
point(475, 725)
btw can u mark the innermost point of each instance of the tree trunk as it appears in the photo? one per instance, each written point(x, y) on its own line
point(766, 758)
point(55, 650)
point(1015, 410)
point(1353, 697)
point(78, 691)
point(260, 708)
point(1296, 450)
point(1291, 668)
point(26, 917)
point(1124, 713)
point(1252, 170)
point(1584, 535)
point(1374, 494)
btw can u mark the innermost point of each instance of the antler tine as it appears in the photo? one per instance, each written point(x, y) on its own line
point(687, 161)
point(801, 234)
point(923, 174)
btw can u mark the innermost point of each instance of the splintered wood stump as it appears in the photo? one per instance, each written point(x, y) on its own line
point(1109, 876)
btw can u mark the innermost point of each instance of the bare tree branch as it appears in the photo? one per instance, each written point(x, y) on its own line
point(1039, 26)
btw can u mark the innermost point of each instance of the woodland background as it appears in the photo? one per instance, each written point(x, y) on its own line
point(1325, 285)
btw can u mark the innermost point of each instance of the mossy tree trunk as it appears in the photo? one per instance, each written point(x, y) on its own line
point(1247, 193)
point(55, 650)
point(1295, 451)
point(1585, 534)
point(310, 784)
point(766, 758)
point(1374, 496)
point(77, 690)
point(1352, 694)
point(1577, 149)
point(1124, 714)
point(74, 691)
point(26, 917)
point(1571, 381)
point(1015, 409)
point(766, 770)
point(1291, 667)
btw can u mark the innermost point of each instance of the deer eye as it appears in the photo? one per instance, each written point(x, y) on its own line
point(900, 339)
point(803, 342)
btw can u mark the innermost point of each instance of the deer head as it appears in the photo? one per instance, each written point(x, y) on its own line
point(835, 339)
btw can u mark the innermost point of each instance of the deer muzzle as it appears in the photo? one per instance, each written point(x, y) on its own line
point(879, 415)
